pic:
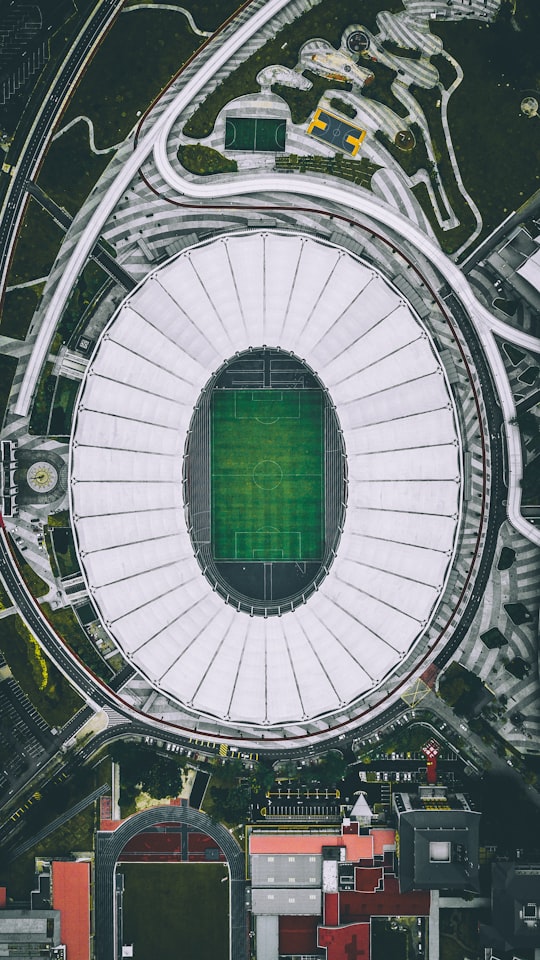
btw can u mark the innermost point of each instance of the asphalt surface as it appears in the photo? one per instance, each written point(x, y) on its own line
point(109, 845)
point(55, 824)
point(100, 254)
point(53, 106)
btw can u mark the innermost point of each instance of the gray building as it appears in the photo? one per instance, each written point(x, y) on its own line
point(282, 870)
point(438, 849)
point(515, 908)
point(27, 934)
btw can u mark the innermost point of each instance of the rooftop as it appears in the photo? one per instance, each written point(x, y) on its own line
point(394, 405)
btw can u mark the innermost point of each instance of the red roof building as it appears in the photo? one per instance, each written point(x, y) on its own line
point(71, 896)
point(354, 872)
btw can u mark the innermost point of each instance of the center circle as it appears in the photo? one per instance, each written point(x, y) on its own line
point(267, 474)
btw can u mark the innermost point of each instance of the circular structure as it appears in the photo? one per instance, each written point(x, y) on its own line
point(266, 497)
point(358, 42)
point(267, 474)
point(529, 106)
point(392, 401)
point(42, 477)
point(405, 140)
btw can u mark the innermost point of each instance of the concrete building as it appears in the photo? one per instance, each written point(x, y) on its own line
point(438, 841)
point(27, 934)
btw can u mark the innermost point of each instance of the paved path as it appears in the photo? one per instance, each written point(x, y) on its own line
point(171, 8)
point(91, 140)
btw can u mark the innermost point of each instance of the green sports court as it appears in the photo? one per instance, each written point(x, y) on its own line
point(255, 134)
point(267, 474)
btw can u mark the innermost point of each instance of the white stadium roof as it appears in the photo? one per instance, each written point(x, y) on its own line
point(375, 357)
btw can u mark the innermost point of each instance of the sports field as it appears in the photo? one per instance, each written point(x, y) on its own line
point(257, 135)
point(176, 910)
point(267, 474)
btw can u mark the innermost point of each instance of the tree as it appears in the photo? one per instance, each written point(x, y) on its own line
point(331, 768)
point(231, 806)
point(164, 778)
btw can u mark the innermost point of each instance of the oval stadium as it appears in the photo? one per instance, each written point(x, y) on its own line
point(266, 480)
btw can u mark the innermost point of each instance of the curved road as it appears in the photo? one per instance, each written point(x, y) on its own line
point(90, 687)
point(52, 106)
point(109, 845)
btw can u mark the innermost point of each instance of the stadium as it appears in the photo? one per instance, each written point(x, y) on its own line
point(266, 481)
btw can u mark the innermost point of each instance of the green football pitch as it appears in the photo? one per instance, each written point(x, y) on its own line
point(176, 910)
point(267, 474)
point(255, 134)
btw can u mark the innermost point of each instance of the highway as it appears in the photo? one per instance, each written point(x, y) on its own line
point(51, 109)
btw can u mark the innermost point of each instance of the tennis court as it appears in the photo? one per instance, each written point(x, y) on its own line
point(255, 134)
point(267, 461)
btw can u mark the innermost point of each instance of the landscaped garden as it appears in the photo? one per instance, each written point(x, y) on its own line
point(18, 310)
point(326, 20)
point(204, 161)
point(497, 148)
point(45, 686)
point(37, 245)
point(70, 169)
point(8, 366)
point(68, 627)
point(144, 49)
point(37, 586)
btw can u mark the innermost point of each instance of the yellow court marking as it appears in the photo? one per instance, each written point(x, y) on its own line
point(356, 142)
point(416, 693)
point(317, 123)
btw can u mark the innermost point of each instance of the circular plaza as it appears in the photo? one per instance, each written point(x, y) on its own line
point(327, 456)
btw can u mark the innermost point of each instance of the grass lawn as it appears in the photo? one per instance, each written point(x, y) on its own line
point(458, 934)
point(64, 548)
point(86, 292)
point(497, 148)
point(8, 366)
point(39, 415)
point(18, 310)
point(176, 910)
point(37, 245)
point(304, 102)
point(60, 519)
point(37, 586)
point(66, 624)
point(138, 57)
point(62, 405)
point(267, 474)
point(204, 161)
point(5, 599)
point(327, 20)
point(77, 834)
point(208, 14)
point(45, 686)
point(70, 169)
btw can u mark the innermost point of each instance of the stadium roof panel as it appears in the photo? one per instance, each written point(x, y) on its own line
point(375, 357)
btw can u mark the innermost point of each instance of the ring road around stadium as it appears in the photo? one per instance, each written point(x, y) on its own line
point(301, 552)
point(279, 466)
